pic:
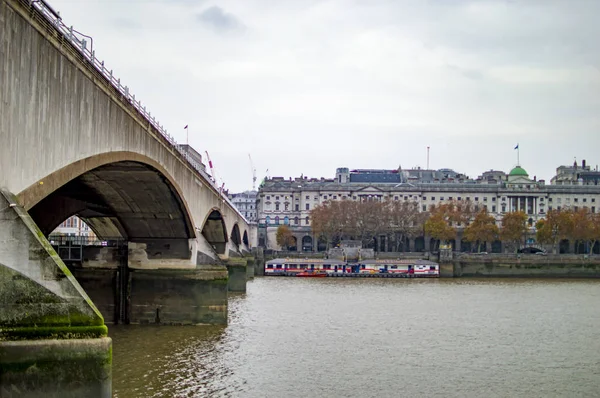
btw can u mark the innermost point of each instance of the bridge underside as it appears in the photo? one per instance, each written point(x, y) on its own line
point(129, 200)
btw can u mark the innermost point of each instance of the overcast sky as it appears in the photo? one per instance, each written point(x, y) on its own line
point(306, 86)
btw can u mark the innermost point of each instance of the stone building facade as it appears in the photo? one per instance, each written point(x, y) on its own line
point(245, 202)
point(289, 201)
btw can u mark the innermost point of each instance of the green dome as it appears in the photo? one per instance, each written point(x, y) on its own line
point(518, 171)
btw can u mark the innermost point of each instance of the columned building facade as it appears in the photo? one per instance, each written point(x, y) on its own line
point(283, 201)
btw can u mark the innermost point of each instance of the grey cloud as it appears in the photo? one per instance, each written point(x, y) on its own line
point(473, 74)
point(125, 23)
point(216, 18)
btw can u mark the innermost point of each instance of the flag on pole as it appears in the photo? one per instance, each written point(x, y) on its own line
point(185, 128)
point(517, 147)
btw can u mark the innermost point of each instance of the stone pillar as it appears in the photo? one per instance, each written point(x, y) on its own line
point(237, 275)
point(179, 296)
point(249, 268)
point(427, 243)
point(52, 337)
point(458, 242)
point(411, 245)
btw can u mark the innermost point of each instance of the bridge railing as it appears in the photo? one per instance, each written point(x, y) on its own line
point(80, 43)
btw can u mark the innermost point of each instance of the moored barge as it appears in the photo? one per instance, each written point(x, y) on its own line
point(385, 268)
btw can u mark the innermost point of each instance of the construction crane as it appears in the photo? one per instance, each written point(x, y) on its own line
point(253, 173)
point(212, 170)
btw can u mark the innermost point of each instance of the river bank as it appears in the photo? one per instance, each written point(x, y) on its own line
point(527, 266)
point(488, 265)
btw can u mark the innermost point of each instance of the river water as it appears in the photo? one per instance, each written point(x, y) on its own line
point(334, 337)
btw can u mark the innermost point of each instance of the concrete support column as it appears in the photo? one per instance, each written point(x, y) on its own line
point(250, 268)
point(237, 275)
point(42, 307)
point(56, 368)
point(180, 297)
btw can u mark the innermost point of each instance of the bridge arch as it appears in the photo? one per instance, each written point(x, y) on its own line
point(118, 194)
point(235, 235)
point(214, 230)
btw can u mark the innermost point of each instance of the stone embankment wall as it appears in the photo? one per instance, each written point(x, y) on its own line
point(489, 265)
point(531, 266)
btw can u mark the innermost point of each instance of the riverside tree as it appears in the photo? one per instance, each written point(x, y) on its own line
point(284, 237)
point(514, 228)
point(406, 221)
point(438, 225)
point(585, 227)
point(366, 220)
point(594, 230)
point(482, 229)
point(557, 225)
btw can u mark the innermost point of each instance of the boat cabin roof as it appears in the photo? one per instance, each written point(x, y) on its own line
point(398, 262)
point(306, 261)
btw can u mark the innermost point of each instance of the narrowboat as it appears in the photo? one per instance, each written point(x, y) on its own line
point(292, 266)
point(407, 268)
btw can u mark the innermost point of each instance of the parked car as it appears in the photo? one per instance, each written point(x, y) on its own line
point(531, 250)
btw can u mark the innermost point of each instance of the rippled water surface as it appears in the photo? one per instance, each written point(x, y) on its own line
point(296, 337)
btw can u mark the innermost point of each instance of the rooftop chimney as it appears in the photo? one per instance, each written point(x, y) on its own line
point(583, 163)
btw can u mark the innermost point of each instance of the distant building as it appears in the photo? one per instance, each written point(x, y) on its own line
point(74, 226)
point(289, 201)
point(576, 175)
point(245, 202)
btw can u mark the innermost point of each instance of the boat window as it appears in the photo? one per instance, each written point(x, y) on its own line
point(363, 266)
point(278, 266)
point(269, 266)
point(394, 267)
point(432, 268)
point(293, 266)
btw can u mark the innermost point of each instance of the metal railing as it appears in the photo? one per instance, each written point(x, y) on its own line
point(80, 43)
point(83, 240)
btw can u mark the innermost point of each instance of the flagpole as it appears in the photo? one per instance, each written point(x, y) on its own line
point(518, 158)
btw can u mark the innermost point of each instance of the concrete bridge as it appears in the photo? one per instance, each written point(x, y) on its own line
point(75, 141)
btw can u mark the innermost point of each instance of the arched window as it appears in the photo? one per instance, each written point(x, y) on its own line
point(267, 220)
point(276, 220)
point(286, 220)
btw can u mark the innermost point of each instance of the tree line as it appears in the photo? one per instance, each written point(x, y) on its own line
point(333, 221)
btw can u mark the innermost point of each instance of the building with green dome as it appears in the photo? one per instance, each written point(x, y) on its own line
point(289, 201)
point(518, 171)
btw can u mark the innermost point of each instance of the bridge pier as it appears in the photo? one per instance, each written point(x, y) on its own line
point(236, 268)
point(129, 287)
point(52, 338)
point(250, 264)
